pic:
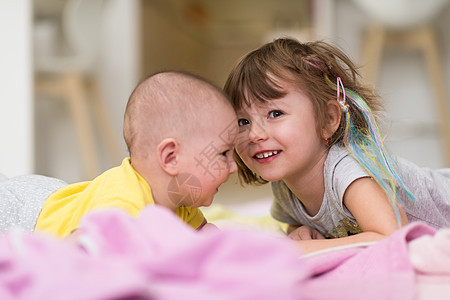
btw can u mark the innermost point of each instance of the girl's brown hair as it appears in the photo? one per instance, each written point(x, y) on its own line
point(304, 65)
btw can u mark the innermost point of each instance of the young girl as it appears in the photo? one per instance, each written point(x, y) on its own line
point(307, 125)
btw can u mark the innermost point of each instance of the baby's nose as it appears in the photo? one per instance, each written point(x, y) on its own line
point(232, 166)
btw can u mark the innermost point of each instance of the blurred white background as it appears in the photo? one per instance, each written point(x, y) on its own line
point(133, 38)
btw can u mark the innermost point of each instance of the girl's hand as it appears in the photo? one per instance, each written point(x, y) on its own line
point(305, 233)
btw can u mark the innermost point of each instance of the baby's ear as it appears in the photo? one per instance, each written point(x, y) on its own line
point(332, 118)
point(168, 152)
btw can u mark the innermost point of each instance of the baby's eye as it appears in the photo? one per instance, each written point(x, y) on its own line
point(243, 122)
point(275, 113)
point(226, 155)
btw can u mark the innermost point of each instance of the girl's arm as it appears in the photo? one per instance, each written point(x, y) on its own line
point(370, 206)
point(308, 246)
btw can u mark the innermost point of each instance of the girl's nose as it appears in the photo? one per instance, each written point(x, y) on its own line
point(257, 133)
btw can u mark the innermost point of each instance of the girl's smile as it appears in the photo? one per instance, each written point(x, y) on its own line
point(266, 156)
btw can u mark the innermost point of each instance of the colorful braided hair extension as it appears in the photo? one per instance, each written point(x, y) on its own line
point(368, 148)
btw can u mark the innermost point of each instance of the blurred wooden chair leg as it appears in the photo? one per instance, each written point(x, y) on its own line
point(422, 38)
point(429, 47)
point(76, 95)
point(112, 145)
point(372, 54)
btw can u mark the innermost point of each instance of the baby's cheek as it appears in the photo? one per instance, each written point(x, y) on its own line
point(184, 189)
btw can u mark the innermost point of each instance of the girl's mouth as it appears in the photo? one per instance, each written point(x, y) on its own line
point(266, 154)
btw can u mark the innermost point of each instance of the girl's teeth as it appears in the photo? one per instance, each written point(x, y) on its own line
point(266, 154)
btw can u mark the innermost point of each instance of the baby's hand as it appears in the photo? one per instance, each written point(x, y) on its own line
point(305, 233)
point(208, 227)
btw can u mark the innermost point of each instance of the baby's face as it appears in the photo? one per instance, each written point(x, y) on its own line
point(207, 159)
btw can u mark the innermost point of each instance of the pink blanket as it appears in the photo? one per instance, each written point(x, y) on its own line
point(156, 256)
point(380, 271)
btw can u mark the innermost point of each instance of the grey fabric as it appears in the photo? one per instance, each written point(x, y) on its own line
point(21, 199)
point(340, 171)
point(3, 177)
point(431, 189)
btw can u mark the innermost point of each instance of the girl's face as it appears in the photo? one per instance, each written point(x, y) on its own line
point(278, 139)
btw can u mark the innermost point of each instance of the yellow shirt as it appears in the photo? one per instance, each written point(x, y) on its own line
point(120, 187)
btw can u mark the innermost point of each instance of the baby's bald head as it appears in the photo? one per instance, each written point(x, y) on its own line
point(169, 104)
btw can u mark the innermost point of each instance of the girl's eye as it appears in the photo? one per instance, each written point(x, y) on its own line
point(224, 153)
point(243, 122)
point(275, 114)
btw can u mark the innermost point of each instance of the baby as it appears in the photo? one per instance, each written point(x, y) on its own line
point(180, 131)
